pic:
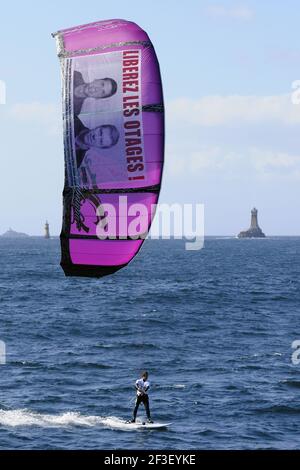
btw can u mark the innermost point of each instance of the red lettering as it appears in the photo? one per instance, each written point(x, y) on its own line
point(132, 142)
point(136, 177)
point(138, 158)
point(132, 124)
point(130, 52)
point(131, 108)
point(137, 167)
point(131, 112)
point(136, 133)
point(130, 69)
point(130, 90)
point(130, 76)
point(134, 151)
point(131, 82)
point(135, 104)
point(127, 98)
point(128, 63)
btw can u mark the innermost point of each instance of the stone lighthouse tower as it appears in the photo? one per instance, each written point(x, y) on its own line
point(47, 231)
point(254, 223)
point(254, 231)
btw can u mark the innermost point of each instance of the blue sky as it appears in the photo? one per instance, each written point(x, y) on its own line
point(232, 132)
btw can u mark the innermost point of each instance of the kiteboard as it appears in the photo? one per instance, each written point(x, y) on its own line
point(145, 425)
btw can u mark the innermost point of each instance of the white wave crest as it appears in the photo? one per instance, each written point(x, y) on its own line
point(23, 417)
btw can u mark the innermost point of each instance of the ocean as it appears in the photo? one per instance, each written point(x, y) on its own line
point(213, 327)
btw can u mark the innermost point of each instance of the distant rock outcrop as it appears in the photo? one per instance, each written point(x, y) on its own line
point(12, 234)
point(254, 231)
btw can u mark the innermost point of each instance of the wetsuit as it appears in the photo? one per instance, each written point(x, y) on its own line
point(142, 397)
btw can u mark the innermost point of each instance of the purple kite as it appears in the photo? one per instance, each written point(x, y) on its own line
point(113, 118)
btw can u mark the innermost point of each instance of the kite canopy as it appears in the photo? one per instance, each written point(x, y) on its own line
point(113, 117)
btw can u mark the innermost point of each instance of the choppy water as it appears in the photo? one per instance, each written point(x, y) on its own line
point(213, 327)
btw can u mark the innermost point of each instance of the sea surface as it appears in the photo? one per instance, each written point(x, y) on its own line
point(213, 327)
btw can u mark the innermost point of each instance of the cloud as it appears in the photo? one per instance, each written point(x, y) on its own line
point(268, 161)
point(235, 109)
point(47, 115)
point(239, 12)
point(232, 138)
point(232, 163)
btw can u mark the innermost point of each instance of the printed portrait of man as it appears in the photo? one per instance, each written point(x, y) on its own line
point(101, 137)
point(98, 89)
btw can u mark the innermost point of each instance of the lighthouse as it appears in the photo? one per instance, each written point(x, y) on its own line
point(47, 232)
point(254, 222)
point(254, 231)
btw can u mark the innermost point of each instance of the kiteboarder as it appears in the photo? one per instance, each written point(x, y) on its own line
point(101, 137)
point(97, 89)
point(142, 386)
